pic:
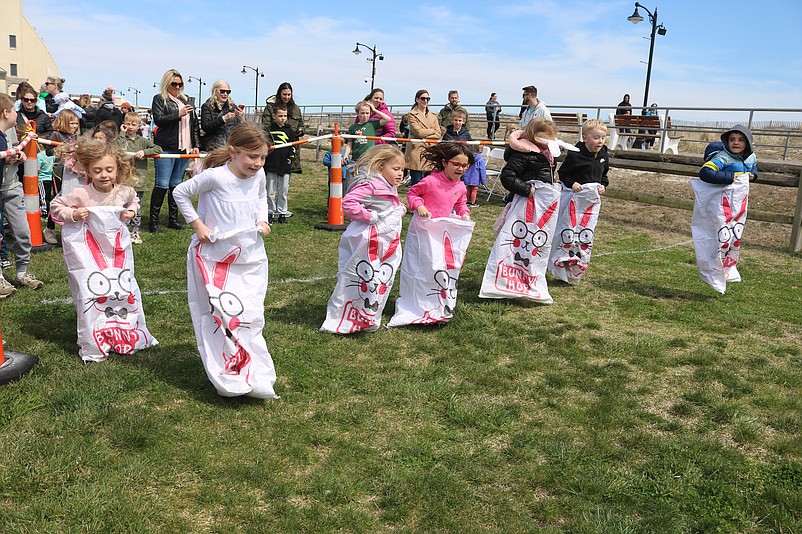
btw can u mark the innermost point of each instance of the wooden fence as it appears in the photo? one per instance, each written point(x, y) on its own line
point(775, 173)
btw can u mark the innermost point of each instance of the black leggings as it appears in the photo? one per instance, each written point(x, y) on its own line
point(50, 193)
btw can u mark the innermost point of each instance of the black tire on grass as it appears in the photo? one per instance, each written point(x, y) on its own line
point(16, 366)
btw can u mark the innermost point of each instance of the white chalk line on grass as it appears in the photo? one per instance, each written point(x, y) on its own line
point(647, 251)
point(315, 278)
point(320, 277)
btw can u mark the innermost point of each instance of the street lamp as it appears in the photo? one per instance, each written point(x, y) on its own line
point(374, 56)
point(259, 74)
point(200, 84)
point(661, 30)
point(136, 96)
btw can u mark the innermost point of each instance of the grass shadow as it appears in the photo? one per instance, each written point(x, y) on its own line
point(51, 325)
point(181, 367)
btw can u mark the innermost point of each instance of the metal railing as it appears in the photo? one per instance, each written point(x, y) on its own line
point(776, 129)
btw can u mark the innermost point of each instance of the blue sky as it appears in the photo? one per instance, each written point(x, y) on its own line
point(580, 53)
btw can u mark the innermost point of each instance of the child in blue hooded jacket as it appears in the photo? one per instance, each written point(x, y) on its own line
point(736, 156)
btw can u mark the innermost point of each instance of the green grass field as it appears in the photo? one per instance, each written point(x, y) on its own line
point(640, 401)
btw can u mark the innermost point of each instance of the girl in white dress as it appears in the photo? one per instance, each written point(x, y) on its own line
point(227, 264)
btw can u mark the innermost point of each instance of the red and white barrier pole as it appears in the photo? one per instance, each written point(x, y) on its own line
point(30, 188)
point(336, 220)
point(426, 141)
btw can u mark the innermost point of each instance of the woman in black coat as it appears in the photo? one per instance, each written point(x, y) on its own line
point(178, 132)
point(219, 115)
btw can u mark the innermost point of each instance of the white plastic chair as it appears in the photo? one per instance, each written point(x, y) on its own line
point(494, 154)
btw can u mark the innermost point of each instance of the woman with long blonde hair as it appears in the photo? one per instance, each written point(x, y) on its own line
point(219, 114)
point(178, 133)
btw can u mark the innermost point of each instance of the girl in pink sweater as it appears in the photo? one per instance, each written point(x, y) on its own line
point(442, 192)
point(108, 170)
point(374, 190)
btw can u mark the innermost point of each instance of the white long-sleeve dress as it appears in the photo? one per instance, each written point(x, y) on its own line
point(227, 280)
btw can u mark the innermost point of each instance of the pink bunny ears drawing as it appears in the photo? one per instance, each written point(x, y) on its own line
point(373, 246)
point(221, 268)
point(99, 257)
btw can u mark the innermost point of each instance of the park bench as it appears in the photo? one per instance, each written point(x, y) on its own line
point(569, 121)
point(627, 130)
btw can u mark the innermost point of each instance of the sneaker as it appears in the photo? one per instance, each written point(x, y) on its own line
point(50, 236)
point(135, 239)
point(270, 219)
point(5, 263)
point(282, 219)
point(6, 289)
point(30, 281)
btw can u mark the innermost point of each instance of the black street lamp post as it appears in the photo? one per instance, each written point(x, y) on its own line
point(136, 96)
point(661, 30)
point(200, 84)
point(374, 56)
point(256, 93)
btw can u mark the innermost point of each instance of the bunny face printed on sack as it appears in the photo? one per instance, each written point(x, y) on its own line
point(373, 280)
point(730, 234)
point(577, 241)
point(519, 273)
point(226, 309)
point(111, 287)
point(529, 237)
point(445, 287)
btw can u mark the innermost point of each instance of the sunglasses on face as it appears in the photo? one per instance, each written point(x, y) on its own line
point(426, 98)
point(31, 100)
point(225, 91)
point(49, 83)
point(176, 84)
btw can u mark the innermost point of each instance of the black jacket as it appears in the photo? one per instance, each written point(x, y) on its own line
point(107, 111)
point(215, 128)
point(522, 167)
point(166, 118)
point(50, 103)
point(44, 126)
point(89, 119)
point(585, 167)
point(279, 160)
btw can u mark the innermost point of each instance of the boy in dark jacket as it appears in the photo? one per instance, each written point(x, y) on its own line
point(457, 131)
point(278, 163)
point(591, 164)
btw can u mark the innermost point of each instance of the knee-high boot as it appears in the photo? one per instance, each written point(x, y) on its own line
point(156, 201)
point(172, 207)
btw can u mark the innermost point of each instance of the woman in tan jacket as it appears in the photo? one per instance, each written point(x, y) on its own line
point(423, 124)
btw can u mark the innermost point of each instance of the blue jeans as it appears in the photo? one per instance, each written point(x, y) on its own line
point(169, 172)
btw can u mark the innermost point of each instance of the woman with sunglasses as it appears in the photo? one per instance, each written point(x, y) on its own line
point(423, 124)
point(29, 111)
point(219, 115)
point(52, 87)
point(177, 132)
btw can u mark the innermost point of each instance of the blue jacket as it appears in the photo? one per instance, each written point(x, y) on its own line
point(327, 158)
point(722, 166)
point(476, 173)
